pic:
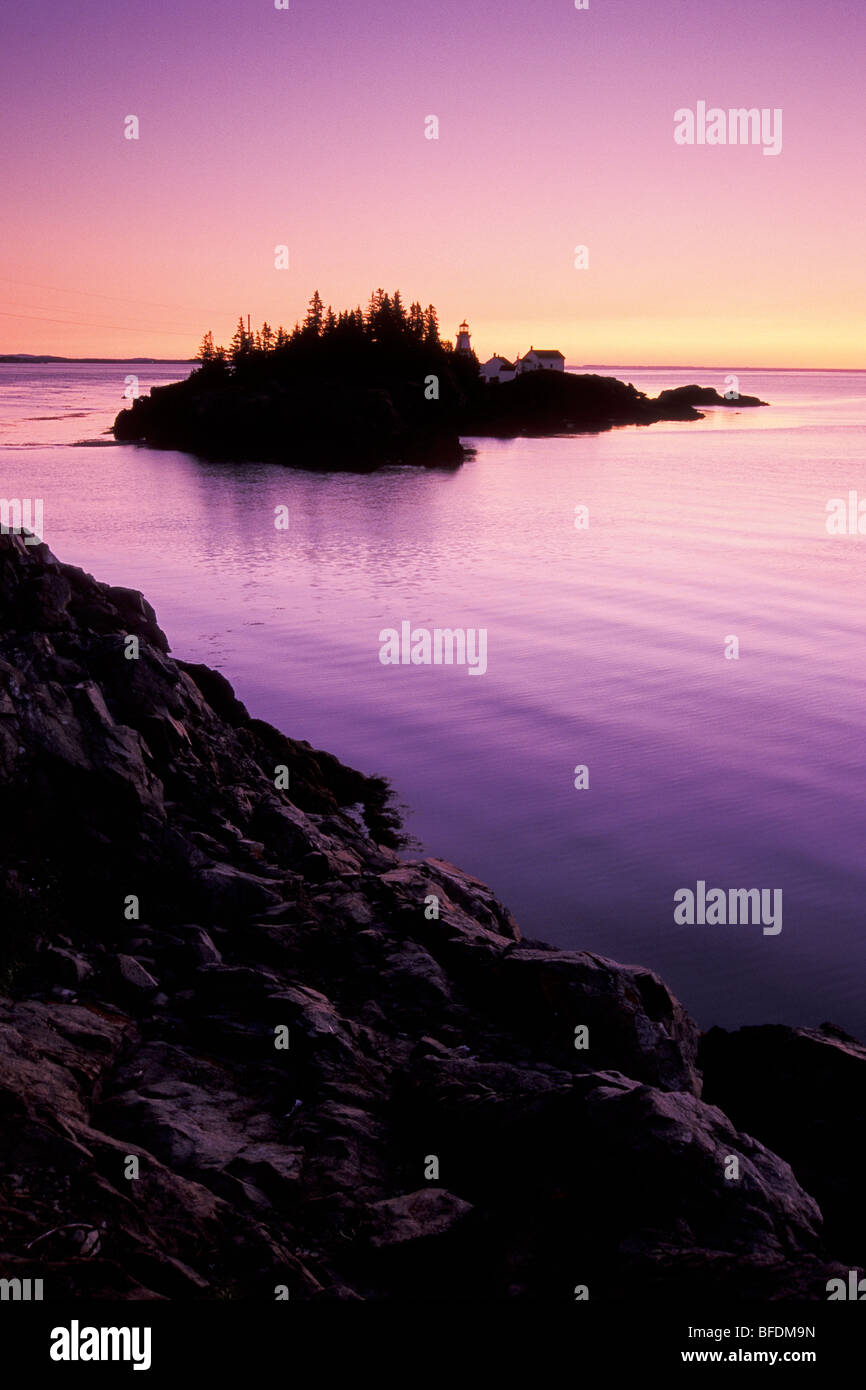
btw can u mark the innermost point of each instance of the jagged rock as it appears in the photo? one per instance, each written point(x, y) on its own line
point(416, 1216)
point(280, 1039)
point(134, 975)
point(802, 1091)
point(66, 966)
point(198, 946)
point(635, 1022)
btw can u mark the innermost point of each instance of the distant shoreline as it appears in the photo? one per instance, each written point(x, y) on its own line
point(693, 367)
point(23, 358)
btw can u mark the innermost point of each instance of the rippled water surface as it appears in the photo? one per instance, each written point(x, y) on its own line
point(605, 648)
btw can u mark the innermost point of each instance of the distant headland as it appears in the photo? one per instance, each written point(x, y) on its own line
point(363, 388)
point(25, 358)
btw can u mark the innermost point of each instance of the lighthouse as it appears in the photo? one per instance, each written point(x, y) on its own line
point(463, 343)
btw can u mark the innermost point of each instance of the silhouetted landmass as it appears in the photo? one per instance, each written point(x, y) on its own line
point(363, 388)
point(353, 390)
point(704, 395)
point(543, 403)
point(29, 357)
point(326, 1086)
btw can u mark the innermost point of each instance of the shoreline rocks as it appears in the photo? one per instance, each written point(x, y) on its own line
point(239, 1050)
point(318, 424)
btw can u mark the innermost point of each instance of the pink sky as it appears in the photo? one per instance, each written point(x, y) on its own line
point(305, 127)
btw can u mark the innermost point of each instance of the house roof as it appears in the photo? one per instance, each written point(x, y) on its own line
point(545, 352)
point(500, 362)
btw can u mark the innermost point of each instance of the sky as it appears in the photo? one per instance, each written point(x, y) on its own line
point(307, 128)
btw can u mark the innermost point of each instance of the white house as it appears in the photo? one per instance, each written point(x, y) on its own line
point(498, 369)
point(541, 360)
point(536, 360)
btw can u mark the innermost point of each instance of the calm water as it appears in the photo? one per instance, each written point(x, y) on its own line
point(605, 648)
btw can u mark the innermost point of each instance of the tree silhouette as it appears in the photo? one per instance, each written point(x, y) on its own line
point(241, 346)
point(376, 347)
point(315, 315)
point(207, 351)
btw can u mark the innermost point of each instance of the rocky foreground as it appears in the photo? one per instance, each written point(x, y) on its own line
point(239, 1051)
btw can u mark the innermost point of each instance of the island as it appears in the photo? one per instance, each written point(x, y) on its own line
point(360, 389)
point(252, 1050)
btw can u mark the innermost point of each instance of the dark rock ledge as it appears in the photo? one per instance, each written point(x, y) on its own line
point(408, 1038)
point(327, 425)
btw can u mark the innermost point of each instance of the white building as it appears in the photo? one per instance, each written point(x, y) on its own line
point(541, 360)
point(499, 368)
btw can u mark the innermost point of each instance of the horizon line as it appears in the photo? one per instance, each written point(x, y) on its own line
point(47, 357)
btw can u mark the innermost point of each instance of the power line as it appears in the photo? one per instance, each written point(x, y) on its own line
point(121, 299)
point(80, 323)
point(95, 323)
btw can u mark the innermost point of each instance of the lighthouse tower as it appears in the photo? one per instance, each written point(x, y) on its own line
point(463, 343)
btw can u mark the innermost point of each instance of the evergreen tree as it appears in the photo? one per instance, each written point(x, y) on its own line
point(374, 309)
point(212, 359)
point(313, 321)
point(241, 344)
point(207, 352)
point(416, 323)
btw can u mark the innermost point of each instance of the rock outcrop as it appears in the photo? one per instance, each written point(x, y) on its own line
point(308, 423)
point(802, 1091)
point(246, 1045)
point(705, 395)
point(543, 403)
point(315, 424)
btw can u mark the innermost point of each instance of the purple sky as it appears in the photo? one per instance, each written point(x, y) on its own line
point(306, 128)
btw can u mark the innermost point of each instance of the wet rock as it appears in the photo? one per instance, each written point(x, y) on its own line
point(634, 1022)
point(416, 1216)
point(134, 975)
point(235, 1047)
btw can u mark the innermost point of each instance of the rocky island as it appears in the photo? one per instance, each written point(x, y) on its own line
point(249, 1049)
point(363, 389)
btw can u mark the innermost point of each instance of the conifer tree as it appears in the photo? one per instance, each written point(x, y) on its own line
point(313, 321)
point(207, 352)
point(241, 344)
point(416, 321)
